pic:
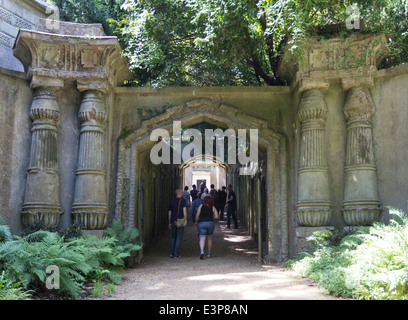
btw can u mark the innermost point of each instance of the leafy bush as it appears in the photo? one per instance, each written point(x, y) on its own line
point(10, 290)
point(5, 234)
point(73, 231)
point(369, 264)
point(78, 260)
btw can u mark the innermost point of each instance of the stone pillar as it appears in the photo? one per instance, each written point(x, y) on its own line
point(41, 201)
point(361, 202)
point(90, 208)
point(313, 207)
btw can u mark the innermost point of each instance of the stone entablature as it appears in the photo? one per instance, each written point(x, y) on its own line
point(317, 62)
point(93, 62)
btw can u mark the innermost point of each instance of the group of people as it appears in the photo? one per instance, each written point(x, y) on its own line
point(206, 207)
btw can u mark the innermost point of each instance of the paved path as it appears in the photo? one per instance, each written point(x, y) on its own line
point(232, 273)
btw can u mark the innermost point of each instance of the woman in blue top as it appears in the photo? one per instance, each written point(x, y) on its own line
point(206, 214)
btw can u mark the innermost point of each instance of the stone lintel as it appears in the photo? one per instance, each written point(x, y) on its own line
point(309, 83)
point(99, 85)
point(362, 81)
point(96, 62)
point(41, 81)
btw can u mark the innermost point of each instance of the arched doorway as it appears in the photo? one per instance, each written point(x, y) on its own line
point(262, 204)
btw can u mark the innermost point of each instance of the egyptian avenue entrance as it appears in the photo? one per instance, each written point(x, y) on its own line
point(145, 187)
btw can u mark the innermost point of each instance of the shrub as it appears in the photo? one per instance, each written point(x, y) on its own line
point(10, 290)
point(79, 260)
point(369, 264)
point(5, 234)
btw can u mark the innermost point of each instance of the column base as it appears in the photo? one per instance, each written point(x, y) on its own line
point(313, 217)
point(50, 216)
point(361, 216)
point(90, 219)
point(97, 233)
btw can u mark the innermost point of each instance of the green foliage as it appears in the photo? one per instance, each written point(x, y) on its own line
point(73, 231)
point(371, 263)
point(10, 290)
point(24, 260)
point(225, 42)
point(5, 234)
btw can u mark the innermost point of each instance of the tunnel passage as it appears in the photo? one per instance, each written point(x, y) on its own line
point(145, 184)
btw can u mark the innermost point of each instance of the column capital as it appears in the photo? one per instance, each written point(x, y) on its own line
point(92, 108)
point(312, 106)
point(359, 105)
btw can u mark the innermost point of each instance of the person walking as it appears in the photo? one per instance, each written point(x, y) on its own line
point(206, 214)
point(194, 193)
point(177, 209)
point(186, 195)
point(196, 204)
point(222, 198)
point(205, 193)
point(232, 207)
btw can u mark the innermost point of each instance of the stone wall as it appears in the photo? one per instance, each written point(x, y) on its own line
point(15, 100)
point(74, 141)
point(15, 15)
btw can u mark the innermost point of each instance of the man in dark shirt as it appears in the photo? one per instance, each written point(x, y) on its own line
point(177, 209)
point(222, 198)
point(232, 207)
point(193, 193)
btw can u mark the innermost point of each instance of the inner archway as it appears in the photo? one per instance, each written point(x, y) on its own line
point(144, 188)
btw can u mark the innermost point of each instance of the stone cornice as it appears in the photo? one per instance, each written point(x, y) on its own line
point(353, 60)
point(94, 62)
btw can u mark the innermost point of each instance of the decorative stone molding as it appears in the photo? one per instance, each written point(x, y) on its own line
point(315, 62)
point(79, 52)
point(90, 208)
point(361, 202)
point(313, 207)
point(41, 200)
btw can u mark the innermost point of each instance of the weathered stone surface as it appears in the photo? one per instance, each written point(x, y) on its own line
point(313, 206)
point(41, 200)
point(319, 61)
point(94, 61)
point(15, 15)
point(303, 233)
point(90, 205)
point(361, 202)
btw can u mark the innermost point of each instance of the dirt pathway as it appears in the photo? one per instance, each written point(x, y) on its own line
point(232, 273)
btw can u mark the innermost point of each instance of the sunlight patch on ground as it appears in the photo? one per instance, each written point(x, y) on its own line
point(259, 286)
point(236, 238)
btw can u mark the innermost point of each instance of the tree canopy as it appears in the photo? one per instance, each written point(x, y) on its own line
point(228, 42)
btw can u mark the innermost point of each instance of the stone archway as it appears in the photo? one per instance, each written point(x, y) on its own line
point(214, 112)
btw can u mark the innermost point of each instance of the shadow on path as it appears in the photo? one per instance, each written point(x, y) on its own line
point(232, 273)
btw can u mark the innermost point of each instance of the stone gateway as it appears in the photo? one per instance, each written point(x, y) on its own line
point(75, 144)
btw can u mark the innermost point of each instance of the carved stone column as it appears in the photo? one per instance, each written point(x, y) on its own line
point(361, 204)
point(313, 207)
point(41, 201)
point(90, 204)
